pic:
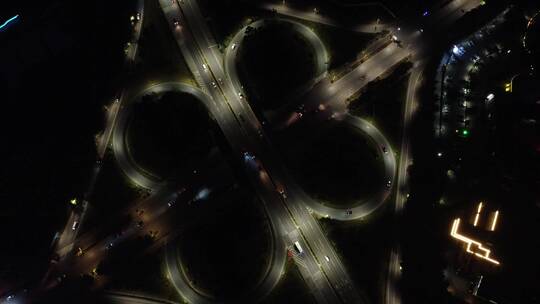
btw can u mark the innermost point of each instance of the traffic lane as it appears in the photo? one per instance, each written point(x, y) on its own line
point(309, 259)
point(227, 132)
point(316, 238)
point(333, 95)
point(207, 45)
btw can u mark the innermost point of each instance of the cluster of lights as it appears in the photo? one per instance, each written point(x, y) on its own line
point(475, 247)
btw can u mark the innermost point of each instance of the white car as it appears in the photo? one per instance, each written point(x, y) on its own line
point(298, 247)
point(75, 225)
point(233, 46)
point(205, 67)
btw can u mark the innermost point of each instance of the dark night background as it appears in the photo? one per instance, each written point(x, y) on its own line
point(61, 62)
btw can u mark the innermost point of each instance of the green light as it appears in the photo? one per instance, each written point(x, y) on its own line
point(465, 132)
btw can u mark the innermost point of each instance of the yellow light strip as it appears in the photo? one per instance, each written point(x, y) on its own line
point(494, 221)
point(454, 233)
point(477, 214)
point(476, 219)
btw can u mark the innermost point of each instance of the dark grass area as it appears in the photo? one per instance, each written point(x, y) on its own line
point(225, 17)
point(146, 277)
point(112, 193)
point(382, 102)
point(291, 288)
point(364, 248)
point(339, 166)
point(227, 253)
point(159, 57)
point(273, 62)
point(170, 135)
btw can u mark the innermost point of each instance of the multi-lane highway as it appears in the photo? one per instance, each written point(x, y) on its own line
point(321, 268)
point(333, 95)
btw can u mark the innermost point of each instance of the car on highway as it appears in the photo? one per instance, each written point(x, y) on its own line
point(327, 258)
point(240, 95)
point(205, 67)
point(176, 22)
point(282, 192)
point(233, 46)
point(385, 150)
point(248, 156)
point(298, 248)
point(388, 184)
point(214, 84)
point(171, 203)
point(75, 225)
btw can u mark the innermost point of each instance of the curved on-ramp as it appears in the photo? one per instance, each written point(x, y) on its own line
point(321, 55)
point(364, 207)
point(275, 267)
point(119, 141)
point(273, 273)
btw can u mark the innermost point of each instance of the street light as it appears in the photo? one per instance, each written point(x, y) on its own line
point(73, 201)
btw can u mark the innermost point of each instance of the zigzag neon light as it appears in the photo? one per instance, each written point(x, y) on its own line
point(454, 233)
point(8, 21)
